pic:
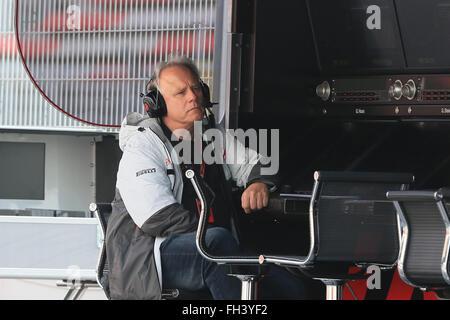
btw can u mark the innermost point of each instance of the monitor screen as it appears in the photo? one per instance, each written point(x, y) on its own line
point(425, 29)
point(22, 170)
point(356, 35)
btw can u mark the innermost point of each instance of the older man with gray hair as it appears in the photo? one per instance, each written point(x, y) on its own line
point(150, 238)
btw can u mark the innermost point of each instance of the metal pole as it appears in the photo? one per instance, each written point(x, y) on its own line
point(80, 292)
point(248, 291)
point(334, 292)
point(248, 286)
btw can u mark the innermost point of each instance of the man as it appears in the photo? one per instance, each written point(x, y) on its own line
point(150, 238)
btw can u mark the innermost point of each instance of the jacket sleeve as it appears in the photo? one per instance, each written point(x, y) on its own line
point(272, 181)
point(169, 220)
point(146, 189)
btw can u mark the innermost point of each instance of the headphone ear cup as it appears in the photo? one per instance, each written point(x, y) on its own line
point(150, 103)
point(154, 104)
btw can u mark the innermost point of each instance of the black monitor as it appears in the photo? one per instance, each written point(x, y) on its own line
point(22, 170)
point(425, 27)
point(356, 36)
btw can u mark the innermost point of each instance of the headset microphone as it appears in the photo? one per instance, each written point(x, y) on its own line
point(146, 106)
point(209, 121)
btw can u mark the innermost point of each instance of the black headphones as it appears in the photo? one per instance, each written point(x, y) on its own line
point(156, 107)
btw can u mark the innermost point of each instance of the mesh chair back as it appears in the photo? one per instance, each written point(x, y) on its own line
point(426, 232)
point(354, 222)
point(424, 260)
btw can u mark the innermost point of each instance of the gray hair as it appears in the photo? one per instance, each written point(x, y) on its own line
point(173, 61)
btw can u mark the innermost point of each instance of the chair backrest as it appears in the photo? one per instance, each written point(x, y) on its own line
point(102, 212)
point(425, 242)
point(351, 219)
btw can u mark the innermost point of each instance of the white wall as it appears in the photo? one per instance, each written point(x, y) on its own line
point(69, 172)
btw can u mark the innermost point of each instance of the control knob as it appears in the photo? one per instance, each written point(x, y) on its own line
point(409, 89)
point(323, 90)
point(395, 90)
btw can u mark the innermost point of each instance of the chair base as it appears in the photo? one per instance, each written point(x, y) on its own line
point(249, 285)
point(335, 288)
point(76, 288)
point(249, 276)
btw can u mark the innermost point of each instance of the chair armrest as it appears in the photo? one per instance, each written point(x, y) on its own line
point(414, 195)
point(202, 226)
point(293, 261)
point(385, 177)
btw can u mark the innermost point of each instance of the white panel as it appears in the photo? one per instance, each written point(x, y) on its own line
point(69, 172)
point(67, 248)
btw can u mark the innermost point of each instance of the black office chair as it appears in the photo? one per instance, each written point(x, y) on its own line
point(425, 241)
point(351, 224)
point(102, 211)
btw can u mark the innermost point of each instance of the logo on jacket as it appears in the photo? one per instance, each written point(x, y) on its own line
point(140, 173)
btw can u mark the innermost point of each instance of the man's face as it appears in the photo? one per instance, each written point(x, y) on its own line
point(183, 96)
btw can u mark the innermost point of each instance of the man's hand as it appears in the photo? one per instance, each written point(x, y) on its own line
point(255, 197)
